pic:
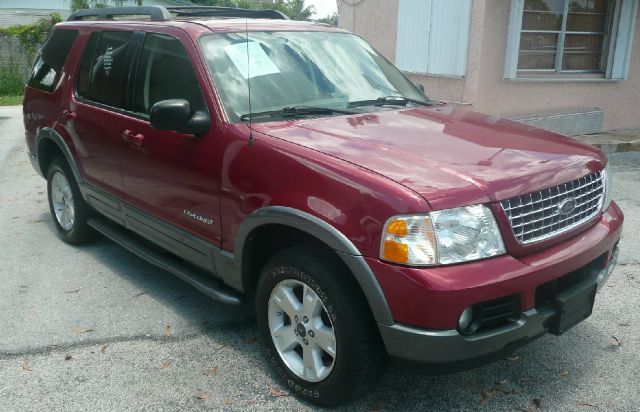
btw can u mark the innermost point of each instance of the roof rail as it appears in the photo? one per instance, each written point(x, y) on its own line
point(107, 13)
point(216, 11)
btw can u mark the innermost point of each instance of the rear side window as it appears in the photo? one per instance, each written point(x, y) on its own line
point(85, 64)
point(103, 68)
point(165, 72)
point(48, 66)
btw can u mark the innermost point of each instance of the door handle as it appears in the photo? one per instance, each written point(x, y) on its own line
point(133, 138)
point(69, 115)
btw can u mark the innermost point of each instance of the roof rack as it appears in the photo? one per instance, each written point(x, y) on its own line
point(159, 13)
point(107, 13)
point(217, 11)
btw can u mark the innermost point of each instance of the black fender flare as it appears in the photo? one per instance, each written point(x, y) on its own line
point(47, 133)
point(326, 233)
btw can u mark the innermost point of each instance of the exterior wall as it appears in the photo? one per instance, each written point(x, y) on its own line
point(17, 17)
point(484, 88)
point(373, 19)
point(14, 56)
point(618, 99)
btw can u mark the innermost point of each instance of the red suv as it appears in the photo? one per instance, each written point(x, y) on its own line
point(289, 165)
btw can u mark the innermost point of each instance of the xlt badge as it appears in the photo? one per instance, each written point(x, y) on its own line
point(197, 217)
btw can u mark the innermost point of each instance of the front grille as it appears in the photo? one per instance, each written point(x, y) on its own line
point(536, 216)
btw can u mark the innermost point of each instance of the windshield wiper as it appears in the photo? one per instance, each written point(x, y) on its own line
point(388, 101)
point(291, 111)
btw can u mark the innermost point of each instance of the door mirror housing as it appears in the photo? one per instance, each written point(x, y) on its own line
point(175, 115)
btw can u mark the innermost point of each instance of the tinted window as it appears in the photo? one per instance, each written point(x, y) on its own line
point(103, 81)
point(165, 72)
point(48, 66)
point(85, 65)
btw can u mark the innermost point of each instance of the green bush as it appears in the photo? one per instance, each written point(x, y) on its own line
point(31, 36)
point(11, 82)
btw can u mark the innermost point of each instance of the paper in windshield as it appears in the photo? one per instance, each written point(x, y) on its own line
point(261, 64)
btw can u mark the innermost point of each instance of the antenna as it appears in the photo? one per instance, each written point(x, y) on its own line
point(246, 29)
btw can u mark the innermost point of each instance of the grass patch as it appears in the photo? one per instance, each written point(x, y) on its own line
point(13, 100)
point(11, 82)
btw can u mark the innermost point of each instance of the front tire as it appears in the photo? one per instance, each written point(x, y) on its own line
point(69, 210)
point(317, 327)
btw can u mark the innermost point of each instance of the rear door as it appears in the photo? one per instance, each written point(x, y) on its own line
point(172, 176)
point(99, 109)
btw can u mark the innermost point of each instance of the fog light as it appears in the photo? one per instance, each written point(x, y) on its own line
point(466, 320)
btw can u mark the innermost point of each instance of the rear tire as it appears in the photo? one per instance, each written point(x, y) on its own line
point(69, 210)
point(342, 369)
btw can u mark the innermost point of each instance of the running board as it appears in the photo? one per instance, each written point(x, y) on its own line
point(199, 279)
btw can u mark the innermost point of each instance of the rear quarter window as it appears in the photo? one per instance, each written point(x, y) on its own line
point(47, 69)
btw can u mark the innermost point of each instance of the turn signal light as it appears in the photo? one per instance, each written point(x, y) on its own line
point(395, 251)
point(409, 240)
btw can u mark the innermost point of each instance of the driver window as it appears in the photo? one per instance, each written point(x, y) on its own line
point(165, 72)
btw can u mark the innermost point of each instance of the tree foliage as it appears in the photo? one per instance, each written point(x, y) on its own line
point(331, 19)
point(294, 9)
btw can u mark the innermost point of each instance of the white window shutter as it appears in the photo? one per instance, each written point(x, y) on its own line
point(449, 39)
point(433, 36)
point(412, 51)
point(623, 40)
point(513, 39)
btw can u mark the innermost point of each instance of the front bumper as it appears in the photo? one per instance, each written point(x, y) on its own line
point(452, 351)
point(449, 348)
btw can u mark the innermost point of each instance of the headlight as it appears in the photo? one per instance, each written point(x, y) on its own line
point(467, 233)
point(442, 237)
point(608, 188)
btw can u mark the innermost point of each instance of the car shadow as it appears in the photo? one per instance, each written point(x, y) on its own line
point(541, 370)
point(147, 279)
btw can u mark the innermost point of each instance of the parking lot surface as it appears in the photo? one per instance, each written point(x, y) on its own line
point(96, 328)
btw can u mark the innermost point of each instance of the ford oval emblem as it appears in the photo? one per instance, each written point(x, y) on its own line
point(567, 206)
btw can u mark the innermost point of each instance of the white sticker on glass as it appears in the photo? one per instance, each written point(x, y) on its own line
point(261, 64)
point(108, 61)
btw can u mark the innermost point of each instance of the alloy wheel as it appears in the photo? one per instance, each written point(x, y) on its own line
point(62, 200)
point(302, 330)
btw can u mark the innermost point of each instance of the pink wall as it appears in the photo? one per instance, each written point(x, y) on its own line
point(484, 88)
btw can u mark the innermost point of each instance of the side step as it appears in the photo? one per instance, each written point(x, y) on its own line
point(197, 278)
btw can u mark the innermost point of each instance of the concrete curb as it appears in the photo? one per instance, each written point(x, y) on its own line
point(618, 147)
point(613, 141)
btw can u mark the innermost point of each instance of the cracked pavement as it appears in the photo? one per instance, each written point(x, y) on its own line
point(84, 328)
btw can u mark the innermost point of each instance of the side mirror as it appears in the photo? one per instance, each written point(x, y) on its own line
point(175, 115)
point(419, 86)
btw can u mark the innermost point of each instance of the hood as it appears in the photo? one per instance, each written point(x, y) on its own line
point(452, 157)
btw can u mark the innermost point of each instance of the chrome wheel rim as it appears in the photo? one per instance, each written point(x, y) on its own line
point(62, 200)
point(301, 330)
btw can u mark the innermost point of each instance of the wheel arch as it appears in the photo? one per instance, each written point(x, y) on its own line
point(295, 226)
point(49, 144)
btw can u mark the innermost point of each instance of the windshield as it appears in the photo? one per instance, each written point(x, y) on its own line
point(310, 69)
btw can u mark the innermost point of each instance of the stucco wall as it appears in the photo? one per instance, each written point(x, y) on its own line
point(618, 99)
point(483, 86)
point(375, 20)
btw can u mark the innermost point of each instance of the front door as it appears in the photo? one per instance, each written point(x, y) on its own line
point(172, 176)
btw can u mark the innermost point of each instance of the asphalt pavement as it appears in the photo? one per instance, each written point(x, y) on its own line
point(96, 328)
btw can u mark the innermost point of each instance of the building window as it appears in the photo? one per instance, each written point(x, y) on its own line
point(557, 38)
point(564, 35)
